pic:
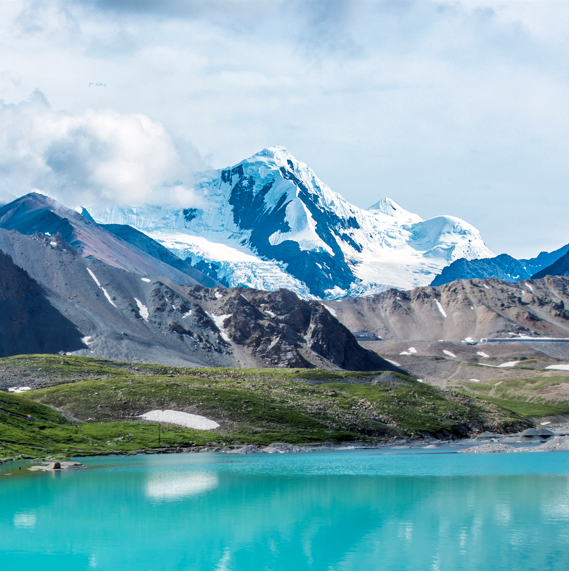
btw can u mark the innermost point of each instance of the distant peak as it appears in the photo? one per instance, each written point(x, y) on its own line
point(387, 206)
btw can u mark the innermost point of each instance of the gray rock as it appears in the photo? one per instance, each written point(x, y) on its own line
point(249, 449)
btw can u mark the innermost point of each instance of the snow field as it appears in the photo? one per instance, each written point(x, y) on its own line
point(181, 419)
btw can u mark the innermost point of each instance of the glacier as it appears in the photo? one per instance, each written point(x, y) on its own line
point(269, 222)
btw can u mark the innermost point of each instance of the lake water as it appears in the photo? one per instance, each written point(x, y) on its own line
point(339, 511)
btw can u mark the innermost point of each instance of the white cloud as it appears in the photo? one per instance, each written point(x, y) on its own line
point(447, 106)
point(98, 156)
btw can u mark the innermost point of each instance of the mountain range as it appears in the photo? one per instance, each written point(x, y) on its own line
point(505, 267)
point(464, 310)
point(101, 296)
point(269, 223)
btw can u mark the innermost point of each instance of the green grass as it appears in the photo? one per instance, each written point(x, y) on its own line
point(528, 409)
point(102, 402)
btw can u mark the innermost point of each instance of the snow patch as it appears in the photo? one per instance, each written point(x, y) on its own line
point(94, 277)
point(441, 308)
point(528, 286)
point(53, 244)
point(474, 380)
point(508, 364)
point(87, 340)
point(19, 389)
point(181, 419)
point(486, 286)
point(218, 320)
point(449, 353)
point(108, 296)
point(482, 354)
point(269, 312)
point(393, 362)
point(558, 367)
point(101, 288)
point(187, 314)
point(143, 310)
point(469, 339)
point(412, 350)
point(147, 280)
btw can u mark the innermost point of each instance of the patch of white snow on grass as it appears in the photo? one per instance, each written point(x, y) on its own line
point(441, 308)
point(19, 389)
point(502, 366)
point(147, 280)
point(143, 310)
point(474, 380)
point(558, 367)
point(449, 353)
point(181, 419)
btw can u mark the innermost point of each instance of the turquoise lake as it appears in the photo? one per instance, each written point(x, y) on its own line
point(355, 510)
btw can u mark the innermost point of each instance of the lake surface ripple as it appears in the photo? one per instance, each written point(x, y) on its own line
point(339, 511)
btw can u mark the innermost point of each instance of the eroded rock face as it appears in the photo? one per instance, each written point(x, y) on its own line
point(279, 329)
point(462, 309)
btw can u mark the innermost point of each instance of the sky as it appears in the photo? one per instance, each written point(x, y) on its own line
point(447, 107)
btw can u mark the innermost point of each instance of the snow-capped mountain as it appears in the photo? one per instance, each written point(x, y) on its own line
point(270, 223)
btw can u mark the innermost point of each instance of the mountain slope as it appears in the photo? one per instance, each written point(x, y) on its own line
point(29, 323)
point(269, 222)
point(156, 250)
point(502, 267)
point(559, 268)
point(37, 213)
point(121, 315)
point(462, 310)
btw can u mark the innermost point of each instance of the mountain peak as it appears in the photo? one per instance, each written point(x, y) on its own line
point(276, 154)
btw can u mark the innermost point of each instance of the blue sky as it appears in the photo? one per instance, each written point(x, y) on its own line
point(446, 107)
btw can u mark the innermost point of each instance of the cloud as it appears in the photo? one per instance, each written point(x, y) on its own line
point(98, 157)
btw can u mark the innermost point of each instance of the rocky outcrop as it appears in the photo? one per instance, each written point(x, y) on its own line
point(280, 329)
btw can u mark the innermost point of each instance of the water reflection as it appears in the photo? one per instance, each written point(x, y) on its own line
point(175, 486)
point(266, 513)
point(25, 520)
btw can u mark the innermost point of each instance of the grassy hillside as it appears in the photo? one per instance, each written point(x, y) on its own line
point(533, 397)
point(85, 406)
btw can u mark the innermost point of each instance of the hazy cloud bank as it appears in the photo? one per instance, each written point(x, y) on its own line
point(98, 157)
